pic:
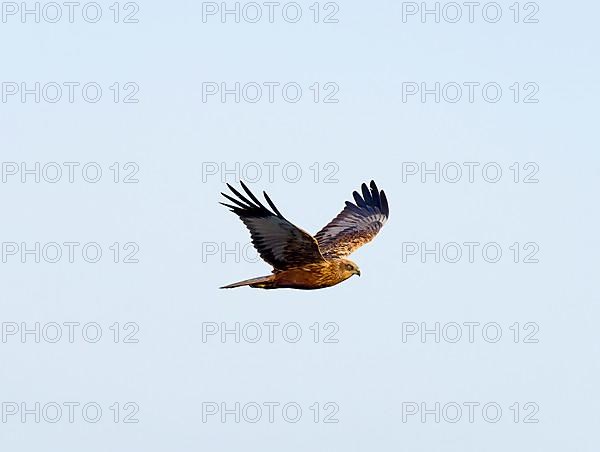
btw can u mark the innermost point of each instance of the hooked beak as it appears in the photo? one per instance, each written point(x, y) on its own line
point(357, 272)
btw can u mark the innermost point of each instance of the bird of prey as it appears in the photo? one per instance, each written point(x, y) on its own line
point(299, 260)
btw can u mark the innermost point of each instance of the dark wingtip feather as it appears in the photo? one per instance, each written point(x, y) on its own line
point(249, 193)
point(272, 204)
point(385, 209)
point(375, 195)
point(246, 207)
point(374, 189)
point(352, 207)
point(366, 194)
point(242, 197)
point(228, 205)
point(235, 201)
point(359, 201)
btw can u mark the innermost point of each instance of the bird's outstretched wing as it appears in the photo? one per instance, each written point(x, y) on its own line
point(278, 241)
point(356, 225)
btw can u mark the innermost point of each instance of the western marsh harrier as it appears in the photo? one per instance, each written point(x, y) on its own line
point(299, 260)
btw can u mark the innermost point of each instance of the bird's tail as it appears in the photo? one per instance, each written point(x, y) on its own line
point(263, 282)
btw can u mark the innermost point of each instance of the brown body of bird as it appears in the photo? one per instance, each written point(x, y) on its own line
point(310, 276)
point(299, 260)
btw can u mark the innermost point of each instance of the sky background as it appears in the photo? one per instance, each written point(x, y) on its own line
point(172, 219)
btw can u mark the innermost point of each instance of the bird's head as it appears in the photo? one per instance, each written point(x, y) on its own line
point(348, 268)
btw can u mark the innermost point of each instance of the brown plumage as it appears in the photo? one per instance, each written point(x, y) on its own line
point(299, 260)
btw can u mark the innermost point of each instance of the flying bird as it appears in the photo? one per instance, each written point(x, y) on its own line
point(299, 260)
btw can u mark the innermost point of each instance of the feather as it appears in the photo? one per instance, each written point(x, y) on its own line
point(279, 242)
point(356, 224)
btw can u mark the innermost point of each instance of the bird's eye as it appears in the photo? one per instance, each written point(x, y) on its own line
point(349, 267)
